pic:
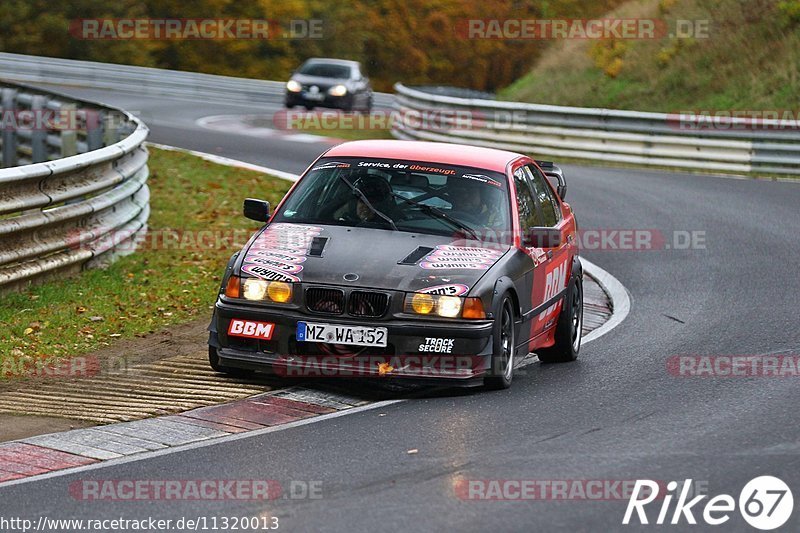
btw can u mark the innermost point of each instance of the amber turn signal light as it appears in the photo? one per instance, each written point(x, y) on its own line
point(473, 308)
point(232, 289)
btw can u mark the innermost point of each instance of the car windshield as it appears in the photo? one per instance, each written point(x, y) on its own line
point(325, 70)
point(403, 195)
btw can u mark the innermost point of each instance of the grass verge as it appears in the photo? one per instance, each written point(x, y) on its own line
point(195, 225)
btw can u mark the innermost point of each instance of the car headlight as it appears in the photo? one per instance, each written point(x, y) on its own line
point(448, 306)
point(337, 90)
point(420, 303)
point(293, 86)
point(255, 289)
point(279, 292)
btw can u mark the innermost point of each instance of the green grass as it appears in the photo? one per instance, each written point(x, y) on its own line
point(750, 61)
point(153, 288)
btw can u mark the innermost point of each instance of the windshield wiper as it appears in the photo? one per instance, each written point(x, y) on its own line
point(429, 209)
point(363, 198)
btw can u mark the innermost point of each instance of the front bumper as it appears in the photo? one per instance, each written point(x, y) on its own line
point(407, 354)
point(333, 102)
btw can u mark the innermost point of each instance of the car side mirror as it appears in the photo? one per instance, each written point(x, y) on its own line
point(544, 237)
point(257, 210)
point(554, 172)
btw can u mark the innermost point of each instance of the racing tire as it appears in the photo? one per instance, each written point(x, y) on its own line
point(213, 360)
point(569, 329)
point(504, 339)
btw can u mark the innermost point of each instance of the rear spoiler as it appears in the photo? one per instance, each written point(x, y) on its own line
point(553, 172)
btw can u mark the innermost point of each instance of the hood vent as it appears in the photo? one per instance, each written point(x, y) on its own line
point(317, 246)
point(416, 255)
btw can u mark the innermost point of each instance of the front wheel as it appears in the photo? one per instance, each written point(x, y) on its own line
point(569, 330)
point(503, 347)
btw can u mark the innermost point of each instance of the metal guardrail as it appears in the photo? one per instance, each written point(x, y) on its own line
point(74, 191)
point(145, 80)
point(693, 142)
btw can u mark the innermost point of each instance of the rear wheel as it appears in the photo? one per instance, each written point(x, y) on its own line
point(213, 360)
point(504, 341)
point(569, 329)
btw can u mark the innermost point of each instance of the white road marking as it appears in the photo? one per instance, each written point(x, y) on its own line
point(229, 162)
point(195, 445)
point(235, 124)
point(620, 299)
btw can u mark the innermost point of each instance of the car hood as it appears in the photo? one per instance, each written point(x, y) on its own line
point(367, 257)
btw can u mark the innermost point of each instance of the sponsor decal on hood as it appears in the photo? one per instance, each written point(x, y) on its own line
point(277, 254)
point(460, 257)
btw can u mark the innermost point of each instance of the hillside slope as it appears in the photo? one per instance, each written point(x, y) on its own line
point(750, 60)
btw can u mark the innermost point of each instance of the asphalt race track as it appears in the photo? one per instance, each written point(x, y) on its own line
point(616, 414)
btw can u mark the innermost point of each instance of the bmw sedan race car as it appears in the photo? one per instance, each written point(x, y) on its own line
point(409, 259)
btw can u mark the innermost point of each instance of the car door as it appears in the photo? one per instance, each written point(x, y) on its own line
point(553, 271)
point(528, 216)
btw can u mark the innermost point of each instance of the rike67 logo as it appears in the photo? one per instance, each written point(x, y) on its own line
point(765, 503)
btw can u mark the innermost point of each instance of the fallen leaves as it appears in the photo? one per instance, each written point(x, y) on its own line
point(32, 328)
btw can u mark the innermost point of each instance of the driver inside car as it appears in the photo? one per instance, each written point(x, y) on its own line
point(378, 192)
point(472, 204)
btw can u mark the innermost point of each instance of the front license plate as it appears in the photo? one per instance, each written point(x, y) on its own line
point(338, 334)
point(317, 97)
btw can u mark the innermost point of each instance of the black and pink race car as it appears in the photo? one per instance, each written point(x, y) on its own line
point(416, 260)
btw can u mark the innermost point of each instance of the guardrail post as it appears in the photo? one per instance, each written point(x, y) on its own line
point(9, 102)
point(95, 122)
point(69, 137)
point(110, 129)
point(38, 131)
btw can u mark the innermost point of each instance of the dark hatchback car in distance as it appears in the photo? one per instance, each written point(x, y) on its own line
point(333, 83)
